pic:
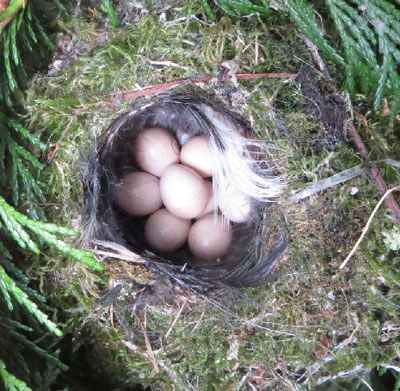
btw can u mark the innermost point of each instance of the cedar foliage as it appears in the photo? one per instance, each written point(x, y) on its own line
point(11, 383)
point(369, 39)
point(24, 231)
point(24, 44)
point(368, 52)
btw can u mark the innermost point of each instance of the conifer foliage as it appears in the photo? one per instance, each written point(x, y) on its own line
point(21, 235)
point(21, 33)
point(369, 32)
point(24, 231)
point(369, 39)
point(11, 383)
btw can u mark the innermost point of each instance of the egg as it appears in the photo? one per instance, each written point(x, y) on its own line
point(210, 238)
point(183, 191)
point(155, 149)
point(138, 193)
point(235, 205)
point(210, 206)
point(165, 232)
point(197, 154)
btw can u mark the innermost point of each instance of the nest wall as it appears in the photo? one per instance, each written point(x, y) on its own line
point(255, 249)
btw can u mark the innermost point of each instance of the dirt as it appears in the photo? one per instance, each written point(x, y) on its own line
point(324, 103)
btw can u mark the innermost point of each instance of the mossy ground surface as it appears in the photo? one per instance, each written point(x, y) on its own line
point(312, 315)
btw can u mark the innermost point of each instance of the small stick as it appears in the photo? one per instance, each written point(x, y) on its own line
point(150, 90)
point(148, 345)
point(122, 257)
point(198, 322)
point(316, 56)
point(153, 89)
point(115, 250)
point(176, 319)
point(314, 368)
point(365, 229)
point(268, 75)
point(326, 183)
point(357, 370)
point(172, 374)
point(130, 95)
point(362, 149)
point(112, 315)
point(375, 174)
point(367, 384)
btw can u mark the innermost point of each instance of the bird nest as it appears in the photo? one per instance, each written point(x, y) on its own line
point(240, 160)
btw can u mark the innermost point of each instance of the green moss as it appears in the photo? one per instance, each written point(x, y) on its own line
point(285, 326)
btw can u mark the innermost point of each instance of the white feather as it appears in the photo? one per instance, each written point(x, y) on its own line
point(238, 162)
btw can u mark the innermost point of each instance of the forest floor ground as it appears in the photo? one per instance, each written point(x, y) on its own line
point(312, 320)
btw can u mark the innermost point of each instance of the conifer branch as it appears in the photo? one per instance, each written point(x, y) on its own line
point(9, 288)
point(11, 383)
point(38, 350)
point(17, 223)
point(20, 29)
point(10, 12)
point(369, 46)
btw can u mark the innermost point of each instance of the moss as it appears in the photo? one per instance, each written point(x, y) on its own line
point(274, 333)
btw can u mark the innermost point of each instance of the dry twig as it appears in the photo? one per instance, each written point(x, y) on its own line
point(176, 318)
point(314, 368)
point(365, 229)
point(156, 88)
point(128, 96)
point(326, 183)
point(116, 251)
point(358, 370)
point(317, 57)
point(167, 369)
point(362, 149)
point(375, 174)
point(150, 352)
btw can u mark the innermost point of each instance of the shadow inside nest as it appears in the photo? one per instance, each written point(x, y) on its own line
point(257, 243)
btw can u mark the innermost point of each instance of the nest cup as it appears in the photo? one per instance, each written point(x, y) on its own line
point(240, 161)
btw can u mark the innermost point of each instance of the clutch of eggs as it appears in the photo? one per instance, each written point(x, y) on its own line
point(175, 191)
